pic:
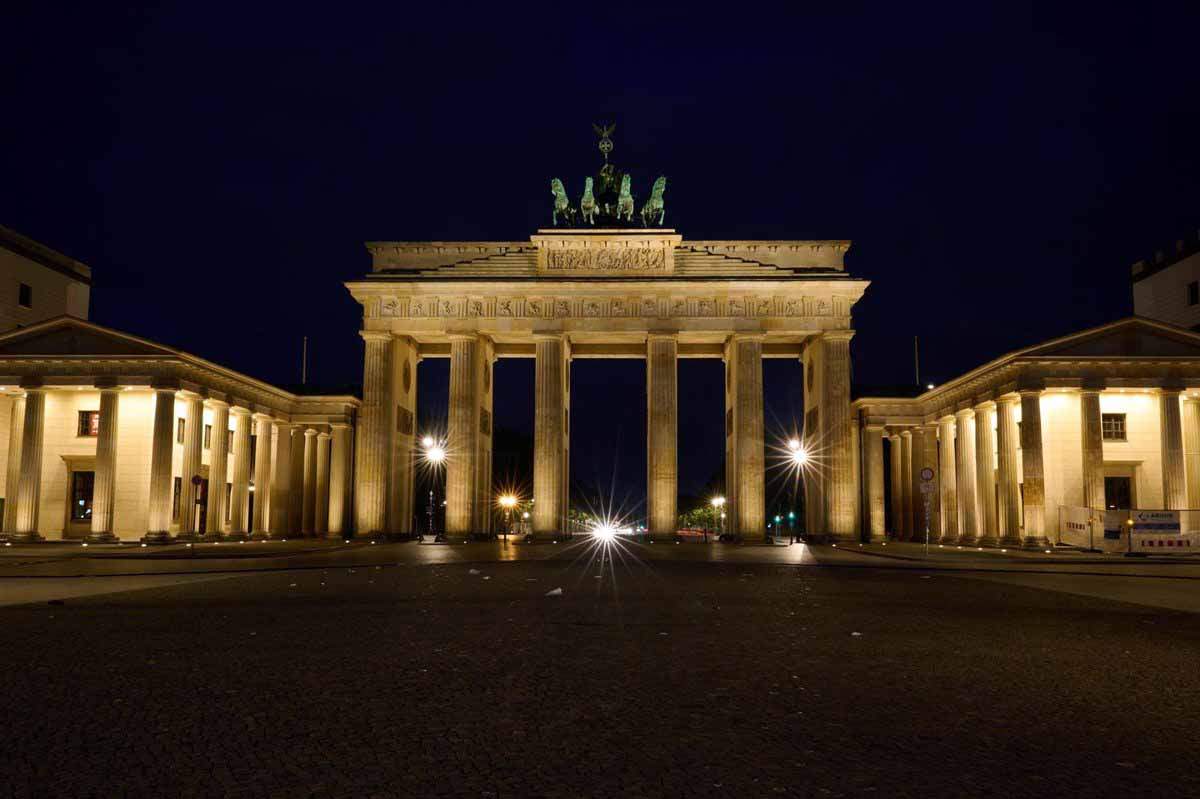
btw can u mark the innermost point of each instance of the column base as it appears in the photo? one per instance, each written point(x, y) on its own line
point(233, 538)
point(101, 538)
point(1036, 542)
point(987, 541)
point(161, 537)
point(26, 538)
point(261, 535)
point(1010, 541)
point(188, 538)
point(212, 538)
point(966, 541)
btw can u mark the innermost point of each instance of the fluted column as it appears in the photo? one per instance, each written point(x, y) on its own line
point(745, 472)
point(1092, 437)
point(873, 436)
point(309, 509)
point(662, 465)
point(404, 437)
point(281, 479)
point(29, 486)
point(1171, 427)
point(296, 480)
point(463, 439)
point(162, 447)
point(965, 468)
point(104, 488)
point(842, 496)
point(1008, 508)
point(1033, 480)
point(16, 429)
point(930, 505)
point(948, 481)
point(375, 440)
point(550, 396)
point(917, 523)
point(321, 522)
point(1191, 449)
point(240, 493)
point(339, 479)
point(218, 469)
point(897, 481)
point(263, 450)
point(193, 437)
point(909, 496)
point(985, 476)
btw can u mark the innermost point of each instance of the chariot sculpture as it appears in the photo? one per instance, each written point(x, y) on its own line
point(608, 199)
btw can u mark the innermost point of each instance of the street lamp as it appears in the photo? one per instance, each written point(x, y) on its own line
point(717, 502)
point(508, 502)
point(798, 452)
point(435, 455)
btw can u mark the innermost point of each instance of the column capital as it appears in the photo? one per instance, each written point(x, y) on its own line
point(1173, 389)
point(259, 416)
point(32, 384)
point(964, 413)
point(549, 335)
point(670, 335)
point(906, 433)
point(339, 425)
point(472, 337)
point(375, 335)
point(323, 436)
point(1008, 400)
point(985, 406)
point(1030, 392)
point(106, 384)
point(309, 432)
point(738, 337)
point(216, 403)
point(837, 335)
point(239, 410)
point(873, 426)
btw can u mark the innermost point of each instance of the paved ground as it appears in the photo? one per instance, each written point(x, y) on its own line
point(665, 674)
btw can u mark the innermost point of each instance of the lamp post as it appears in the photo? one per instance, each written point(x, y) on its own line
point(717, 503)
point(792, 525)
point(435, 455)
point(508, 502)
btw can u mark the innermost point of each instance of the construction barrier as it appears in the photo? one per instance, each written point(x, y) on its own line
point(1139, 531)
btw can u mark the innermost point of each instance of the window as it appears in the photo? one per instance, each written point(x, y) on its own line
point(253, 446)
point(182, 423)
point(229, 442)
point(1194, 292)
point(89, 423)
point(82, 485)
point(228, 501)
point(1112, 427)
point(175, 496)
point(24, 295)
point(208, 436)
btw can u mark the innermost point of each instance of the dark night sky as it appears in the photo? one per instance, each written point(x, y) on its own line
point(998, 167)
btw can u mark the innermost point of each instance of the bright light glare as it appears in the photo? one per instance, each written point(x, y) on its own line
point(435, 455)
point(508, 501)
point(604, 531)
point(427, 442)
point(718, 501)
point(794, 444)
point(799, 455)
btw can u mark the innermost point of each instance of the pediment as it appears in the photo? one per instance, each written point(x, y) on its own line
point(74, 338)
point(1131, 338)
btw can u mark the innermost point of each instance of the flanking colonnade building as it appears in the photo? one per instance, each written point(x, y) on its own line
point(1100, 419)
point(108, 436)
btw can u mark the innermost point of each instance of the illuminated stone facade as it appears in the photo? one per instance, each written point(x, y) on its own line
point(104, 433)
point(1039, 430)
point(597, 293)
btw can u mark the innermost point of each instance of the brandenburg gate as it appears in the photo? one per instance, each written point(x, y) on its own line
point(584, 291)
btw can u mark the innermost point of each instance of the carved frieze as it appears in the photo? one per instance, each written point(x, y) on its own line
point(609, 307)
point(625, 259)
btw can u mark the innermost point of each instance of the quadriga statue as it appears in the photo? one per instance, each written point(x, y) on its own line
point(625, 201)
point(587, 203)
point(654, 212)
point(562, 206)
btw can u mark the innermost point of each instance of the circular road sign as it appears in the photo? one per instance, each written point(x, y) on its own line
point(927, 474)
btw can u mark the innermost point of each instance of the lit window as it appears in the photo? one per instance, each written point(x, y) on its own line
point(89, 423)
point(82, 486)
point(175, 496)
point(1194, 292)
point(207, 436)
point(25, 295)
point(179, 428)
point(1112, 426)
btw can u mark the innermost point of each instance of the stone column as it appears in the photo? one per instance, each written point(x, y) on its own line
point(873, 436)
point(104, 489)
point(240, 493)
point(375, 438)
point(218, 469)
point(897, 480)
point(662, 465)
point(321, 522)
point(309, 508)
point(1008, 508)
point(930, 511)
point(985, 476)
point(909, 497)
point(296, 480)
point(403, 446)
point(281, 480)
point(263, 450)
point(162, 447)
point(549, 452)
point(1032, 470)
point(947, 481)
point(1092, 448)
point(1191, 450)
point(964, 467)
point(12, 481)
point(29, 485)
point(842, 496)
point(745, 472)
point(339, 479)
point(920, 460)
point(1174, 485)
point(463, 440)
point(193, 438)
